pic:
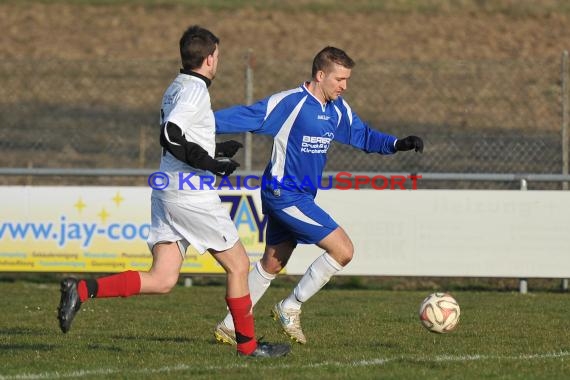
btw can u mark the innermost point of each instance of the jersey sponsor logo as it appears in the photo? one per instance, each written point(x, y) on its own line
point(323, 117)
point(316, 144)
point(316, 140)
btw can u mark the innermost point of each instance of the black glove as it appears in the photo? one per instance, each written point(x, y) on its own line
point(227, 148)
point(409, 143)
point(222, 166)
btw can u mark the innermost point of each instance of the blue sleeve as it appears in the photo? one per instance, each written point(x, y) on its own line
point(355, 132)
point(238, 119)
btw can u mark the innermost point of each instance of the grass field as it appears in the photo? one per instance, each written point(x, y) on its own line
point(360, 334)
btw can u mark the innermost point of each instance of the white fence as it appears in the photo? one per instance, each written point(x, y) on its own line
point(520, 234)
point(480, 233)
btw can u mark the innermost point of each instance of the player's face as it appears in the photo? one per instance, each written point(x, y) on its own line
point(214, 65)
point(335, 81)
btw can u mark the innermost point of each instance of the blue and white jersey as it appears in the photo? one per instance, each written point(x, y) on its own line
point(302, 129)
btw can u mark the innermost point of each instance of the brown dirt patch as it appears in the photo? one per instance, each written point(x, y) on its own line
point(460, 79)
point(44, 31)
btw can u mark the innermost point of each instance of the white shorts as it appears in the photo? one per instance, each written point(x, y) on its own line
point(205, 225)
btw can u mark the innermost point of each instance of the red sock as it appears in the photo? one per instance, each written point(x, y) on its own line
point(82, 291)
point(243, 321)
point(123, 284)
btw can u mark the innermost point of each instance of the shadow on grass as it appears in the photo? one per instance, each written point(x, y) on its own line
point(101, 347)
point(26, 347)
point(22, 331)
point(173, 339)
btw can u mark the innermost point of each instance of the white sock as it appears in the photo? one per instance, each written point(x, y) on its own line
point(318, 274)
point(258, 281)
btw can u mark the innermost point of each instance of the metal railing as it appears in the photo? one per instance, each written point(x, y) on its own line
point(493, 116)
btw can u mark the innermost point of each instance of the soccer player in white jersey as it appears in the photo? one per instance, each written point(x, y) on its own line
point(303, 122)
point(186, 215)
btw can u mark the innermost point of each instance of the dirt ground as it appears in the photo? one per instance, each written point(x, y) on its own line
point(430, 74)
point(43, 31)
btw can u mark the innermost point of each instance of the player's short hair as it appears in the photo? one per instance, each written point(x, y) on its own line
point(195, 45)
point(329, 55)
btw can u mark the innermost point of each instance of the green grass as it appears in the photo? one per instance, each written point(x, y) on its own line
point(357, 334)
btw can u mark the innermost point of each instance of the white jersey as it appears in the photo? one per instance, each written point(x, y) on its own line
point(186, 103)
point(185, 215)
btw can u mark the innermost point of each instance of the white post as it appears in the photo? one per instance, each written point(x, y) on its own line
point(565, 105)
point(249, 65)
point(523, 286)
point(564, 73)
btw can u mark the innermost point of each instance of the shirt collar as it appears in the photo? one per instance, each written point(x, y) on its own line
point(208, 81)
point(306, 88)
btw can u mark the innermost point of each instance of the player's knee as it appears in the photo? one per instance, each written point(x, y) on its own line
point(242, 269)
point(346, 254)
point(166, 284)
point(345, 259)
point(239, 266)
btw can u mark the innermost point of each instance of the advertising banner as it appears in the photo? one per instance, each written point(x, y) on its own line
point(102, 229)
point(395, 233)
point(458, 233)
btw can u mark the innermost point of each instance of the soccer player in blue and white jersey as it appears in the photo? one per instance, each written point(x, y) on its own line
point(303, 122)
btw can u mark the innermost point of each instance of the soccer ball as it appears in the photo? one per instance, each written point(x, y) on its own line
point(439, 313)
